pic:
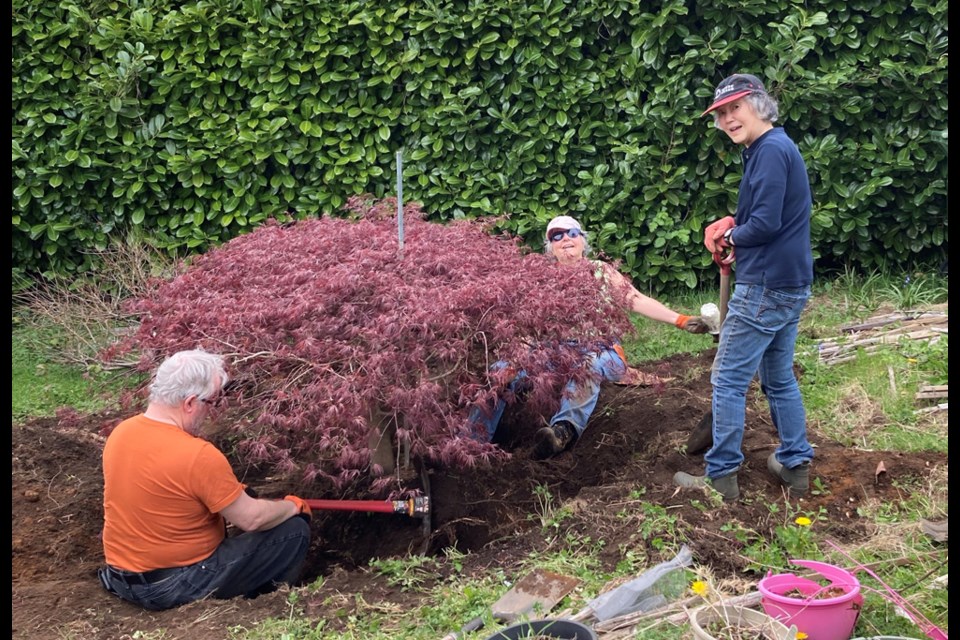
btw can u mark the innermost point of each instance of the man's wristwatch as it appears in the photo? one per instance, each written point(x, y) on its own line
point(728, 236)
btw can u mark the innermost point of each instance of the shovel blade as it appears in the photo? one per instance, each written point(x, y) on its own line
point(701, 438)
point(539, 590)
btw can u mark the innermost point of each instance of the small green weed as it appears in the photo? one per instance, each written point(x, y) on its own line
point(819, 487)
point(408, 572)
point(547, 512)
point(656, 523)
point(629, 561)
point(793, 538)
point(739, 533)
point(455, 557)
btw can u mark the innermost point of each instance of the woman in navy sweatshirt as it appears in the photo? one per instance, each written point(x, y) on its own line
point(769, 238)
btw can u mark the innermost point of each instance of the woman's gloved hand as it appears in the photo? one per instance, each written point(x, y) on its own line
point(714, 233)
point(692, 324)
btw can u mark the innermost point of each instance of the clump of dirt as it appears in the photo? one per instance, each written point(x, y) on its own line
point(625, 460)
point(820, 594)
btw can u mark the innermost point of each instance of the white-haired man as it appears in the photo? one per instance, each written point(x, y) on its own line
point(168, 494)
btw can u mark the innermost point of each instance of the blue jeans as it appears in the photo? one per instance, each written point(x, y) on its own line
point(576, 403)
point(249, 564)
point(758, 336)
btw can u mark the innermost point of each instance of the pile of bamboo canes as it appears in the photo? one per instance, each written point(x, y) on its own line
point(883, 330)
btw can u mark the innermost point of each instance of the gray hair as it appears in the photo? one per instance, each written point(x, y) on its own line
point(763, 105)
point(185, 374)
point(548, 246)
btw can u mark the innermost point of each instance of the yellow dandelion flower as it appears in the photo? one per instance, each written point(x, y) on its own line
point(803, 521)
point(700, 588)
point(801, 635)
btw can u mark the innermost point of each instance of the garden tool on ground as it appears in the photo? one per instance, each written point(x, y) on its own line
point(536, 593)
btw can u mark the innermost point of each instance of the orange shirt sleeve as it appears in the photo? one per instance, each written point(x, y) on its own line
point(215, 483)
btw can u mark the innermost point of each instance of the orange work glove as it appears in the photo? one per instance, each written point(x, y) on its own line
point(691, 324)
point(714, 233)
point(303, 509)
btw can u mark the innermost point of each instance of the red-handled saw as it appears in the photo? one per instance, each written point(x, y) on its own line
point(418, 507)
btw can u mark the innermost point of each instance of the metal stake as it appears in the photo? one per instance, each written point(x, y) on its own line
point(400, 199)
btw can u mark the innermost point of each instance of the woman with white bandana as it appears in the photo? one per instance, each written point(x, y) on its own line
point(566, 241)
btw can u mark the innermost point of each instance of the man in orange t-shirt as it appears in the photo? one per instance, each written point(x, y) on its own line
point(168, 494)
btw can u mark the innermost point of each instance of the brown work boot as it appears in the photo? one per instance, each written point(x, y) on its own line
point(554, 439)
point(726, 486)
point(796, 480)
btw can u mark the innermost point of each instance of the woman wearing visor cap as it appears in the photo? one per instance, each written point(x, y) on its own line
point(566, 242)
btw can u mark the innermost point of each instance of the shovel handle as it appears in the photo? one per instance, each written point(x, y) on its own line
point(473, 625)
point(725, 271)
point(724, 295)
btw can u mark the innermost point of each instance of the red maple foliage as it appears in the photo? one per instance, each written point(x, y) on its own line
point(333, 334)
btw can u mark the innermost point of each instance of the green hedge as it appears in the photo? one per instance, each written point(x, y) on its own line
point(194, 122)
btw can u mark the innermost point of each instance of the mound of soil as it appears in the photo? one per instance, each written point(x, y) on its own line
point(627, 457)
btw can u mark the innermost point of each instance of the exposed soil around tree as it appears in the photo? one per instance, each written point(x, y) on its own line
point(634, 443)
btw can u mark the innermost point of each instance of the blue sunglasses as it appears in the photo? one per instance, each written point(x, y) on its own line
point(557, 235)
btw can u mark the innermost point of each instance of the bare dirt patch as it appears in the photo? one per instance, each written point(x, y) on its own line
point(634, 443)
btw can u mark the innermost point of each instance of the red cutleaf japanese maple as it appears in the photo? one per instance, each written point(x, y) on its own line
point(334, 333)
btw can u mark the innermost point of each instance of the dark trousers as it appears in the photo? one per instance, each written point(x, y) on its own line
point(249, 564)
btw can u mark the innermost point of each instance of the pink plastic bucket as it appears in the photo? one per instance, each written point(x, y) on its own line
point(821, 618)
